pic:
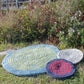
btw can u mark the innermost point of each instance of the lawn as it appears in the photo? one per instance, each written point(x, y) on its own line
point(7, 78)
point(60, 23)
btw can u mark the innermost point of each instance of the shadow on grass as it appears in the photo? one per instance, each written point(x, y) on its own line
point(75, 75)
point(82, 61)
point(33, 76)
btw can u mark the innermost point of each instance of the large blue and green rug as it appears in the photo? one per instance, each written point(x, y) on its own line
point(30, 60)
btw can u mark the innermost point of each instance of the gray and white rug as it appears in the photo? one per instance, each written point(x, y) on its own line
point(73, 55)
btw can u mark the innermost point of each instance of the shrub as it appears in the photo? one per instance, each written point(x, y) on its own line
point(60, 21)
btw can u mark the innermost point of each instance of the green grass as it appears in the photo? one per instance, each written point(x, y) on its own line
point(7, 78)
point(15, 46)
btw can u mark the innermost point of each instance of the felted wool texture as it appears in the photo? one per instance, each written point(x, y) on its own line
point(30, 60)
point(73, 55)
point(60, 68)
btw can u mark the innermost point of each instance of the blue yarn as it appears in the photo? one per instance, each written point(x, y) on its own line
point(60, 76)
point(14, 71)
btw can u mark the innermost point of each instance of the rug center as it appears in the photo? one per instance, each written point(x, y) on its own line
point(31, 58)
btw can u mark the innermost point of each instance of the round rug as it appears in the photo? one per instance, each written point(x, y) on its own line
point(30, 60)
point(60, 68)
point(73, 55)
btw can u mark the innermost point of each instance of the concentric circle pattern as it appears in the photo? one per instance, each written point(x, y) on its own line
point(30, 60)
point(60, 68)
point(73, 55)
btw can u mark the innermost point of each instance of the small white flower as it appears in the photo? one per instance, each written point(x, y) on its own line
point(73, 30)
point(78, 32)
point(75, 14)
point(55, 22)
point(66, 38)
point(69, 33)
point(60, 32)
point(63, 32)
point(79, 11)
point(75, 17)
point(72, 18)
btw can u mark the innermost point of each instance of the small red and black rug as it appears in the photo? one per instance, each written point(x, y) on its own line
point(60, 68)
